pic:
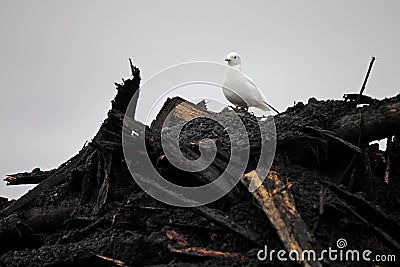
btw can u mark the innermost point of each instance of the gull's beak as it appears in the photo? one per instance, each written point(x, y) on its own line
point(227, 59)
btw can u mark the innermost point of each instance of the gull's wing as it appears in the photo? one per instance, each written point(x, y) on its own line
point(249, 80)
point(251, 83)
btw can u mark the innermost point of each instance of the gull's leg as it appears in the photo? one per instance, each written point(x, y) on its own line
point(234, 108)
point(242, 108)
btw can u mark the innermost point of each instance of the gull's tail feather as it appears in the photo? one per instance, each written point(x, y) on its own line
point(263, 106)
point(266, 107)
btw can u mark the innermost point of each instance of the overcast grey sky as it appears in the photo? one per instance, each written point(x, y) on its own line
point(59, 59)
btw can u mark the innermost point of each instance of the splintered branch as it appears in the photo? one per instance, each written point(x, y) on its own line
point(34, 177)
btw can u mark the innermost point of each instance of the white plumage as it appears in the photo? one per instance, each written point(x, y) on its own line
point(238, 88)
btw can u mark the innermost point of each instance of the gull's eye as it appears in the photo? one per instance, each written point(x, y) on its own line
point(234, 57)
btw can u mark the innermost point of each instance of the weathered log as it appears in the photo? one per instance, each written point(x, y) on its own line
point(282, 213)
point(379, 121)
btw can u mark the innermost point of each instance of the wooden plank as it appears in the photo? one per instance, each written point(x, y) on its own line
point(181, 110)
point(282, 213)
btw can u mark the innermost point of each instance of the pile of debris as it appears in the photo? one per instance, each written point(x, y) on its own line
point(327, 183)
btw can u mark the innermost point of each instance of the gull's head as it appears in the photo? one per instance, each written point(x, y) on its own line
point(233, 59)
